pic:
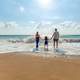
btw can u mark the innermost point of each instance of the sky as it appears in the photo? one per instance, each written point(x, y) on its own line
point(22, 16)
point(39, 10)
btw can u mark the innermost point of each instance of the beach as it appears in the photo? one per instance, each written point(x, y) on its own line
point(15, 66)
point(39, 39)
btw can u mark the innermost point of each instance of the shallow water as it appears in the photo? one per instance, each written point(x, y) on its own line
point(65, 49)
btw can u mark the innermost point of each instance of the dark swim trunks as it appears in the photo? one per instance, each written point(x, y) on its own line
point(55, 40)
point(37, 43)
point(46, 42)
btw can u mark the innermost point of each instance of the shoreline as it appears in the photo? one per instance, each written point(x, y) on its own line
point(44, 55)
point(65, 49)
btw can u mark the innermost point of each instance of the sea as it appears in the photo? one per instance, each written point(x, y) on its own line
point(71, 36)
point(14, 37)
point(17, 43)
point(23, 37)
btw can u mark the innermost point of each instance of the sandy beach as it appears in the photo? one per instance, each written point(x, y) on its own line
point(14, 66)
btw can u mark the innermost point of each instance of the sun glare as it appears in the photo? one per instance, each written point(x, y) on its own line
point(45, 3)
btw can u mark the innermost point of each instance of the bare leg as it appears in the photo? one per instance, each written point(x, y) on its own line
point(54, 44)
point(44, 46)
point(47, 47)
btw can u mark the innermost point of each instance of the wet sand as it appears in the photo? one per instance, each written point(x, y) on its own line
point(14, 66)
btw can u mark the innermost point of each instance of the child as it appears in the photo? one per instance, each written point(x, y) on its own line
point(46, 43)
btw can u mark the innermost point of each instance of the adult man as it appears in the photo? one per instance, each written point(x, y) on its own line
point(55, 37)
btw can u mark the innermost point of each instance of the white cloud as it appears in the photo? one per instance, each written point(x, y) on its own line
point(13, 28)
point(22, 9)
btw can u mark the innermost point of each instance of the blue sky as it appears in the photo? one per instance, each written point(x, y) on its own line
point(34, 10)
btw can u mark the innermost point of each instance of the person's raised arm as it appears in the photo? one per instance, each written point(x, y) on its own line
point(52, 36)
point(34, 37)
point(40, 37)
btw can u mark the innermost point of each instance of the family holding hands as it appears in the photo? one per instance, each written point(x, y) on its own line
point(55, 38)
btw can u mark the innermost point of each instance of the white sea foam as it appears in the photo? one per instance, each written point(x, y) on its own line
point(64, 49)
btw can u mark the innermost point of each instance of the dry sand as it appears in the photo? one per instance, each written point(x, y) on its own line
point(16, 66)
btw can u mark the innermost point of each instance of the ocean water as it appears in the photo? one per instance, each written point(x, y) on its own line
point(71, 36)
point(14, 37)
point(25, 37)
point(67, 48)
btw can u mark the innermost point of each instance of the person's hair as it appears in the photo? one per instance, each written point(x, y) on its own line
point(36, 32)
point(46, 37)
point(55, 29)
